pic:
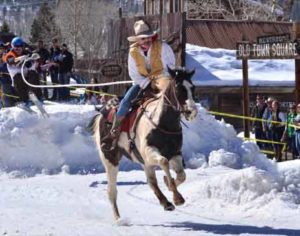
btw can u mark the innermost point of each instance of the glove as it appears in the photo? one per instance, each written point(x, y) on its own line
point(20, 59)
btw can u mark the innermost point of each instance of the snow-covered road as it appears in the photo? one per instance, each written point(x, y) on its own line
point(64, 205)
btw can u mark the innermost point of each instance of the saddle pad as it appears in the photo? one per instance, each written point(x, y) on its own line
point(128, 122)
point(110, 115)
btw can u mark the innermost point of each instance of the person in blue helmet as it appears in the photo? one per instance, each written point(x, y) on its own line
point(14, 60)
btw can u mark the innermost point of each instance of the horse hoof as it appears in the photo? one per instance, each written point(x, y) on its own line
point(169, 207)
point(179, 200)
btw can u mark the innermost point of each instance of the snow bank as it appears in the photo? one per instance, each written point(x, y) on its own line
point(209, 140)
point(30, 143)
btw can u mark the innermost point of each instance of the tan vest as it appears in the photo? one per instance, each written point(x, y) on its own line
point(155, 60)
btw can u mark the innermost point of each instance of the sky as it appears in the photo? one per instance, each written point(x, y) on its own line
point(53, 183)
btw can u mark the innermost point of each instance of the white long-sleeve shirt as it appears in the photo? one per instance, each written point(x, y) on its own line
point(167, 57)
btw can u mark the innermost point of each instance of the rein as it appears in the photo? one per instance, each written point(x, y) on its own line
point(176, 107)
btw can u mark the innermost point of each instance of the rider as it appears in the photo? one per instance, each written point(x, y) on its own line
point(14, 59)
point(5, 81)
point(148, 58)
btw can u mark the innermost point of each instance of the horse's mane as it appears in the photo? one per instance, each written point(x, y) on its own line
point(166, 87)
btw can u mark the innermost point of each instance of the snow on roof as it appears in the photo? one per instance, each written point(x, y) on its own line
point(219, 67)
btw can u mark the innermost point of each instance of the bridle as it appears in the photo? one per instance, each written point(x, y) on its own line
point(170, 100)
point(177, 106)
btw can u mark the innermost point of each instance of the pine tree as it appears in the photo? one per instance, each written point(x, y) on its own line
point(5, 28)
point(36, 30)
point(44, 26)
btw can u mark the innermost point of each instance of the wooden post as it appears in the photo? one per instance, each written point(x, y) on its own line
point(145, 7)
point(153, 7)
point(149, 7)
point(161, 7)
point(120, 12)
point(246, 98)
point(296, 34)
point(183, 39)
point(171, 6)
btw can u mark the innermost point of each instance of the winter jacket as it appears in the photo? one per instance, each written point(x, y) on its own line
point(258, 112)
point(65, 62)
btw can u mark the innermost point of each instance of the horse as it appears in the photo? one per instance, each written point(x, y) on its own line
point(156, 136)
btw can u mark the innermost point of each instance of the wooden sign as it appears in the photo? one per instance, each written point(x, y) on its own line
point(287, 50)
point(111, 70)
point(281, 38)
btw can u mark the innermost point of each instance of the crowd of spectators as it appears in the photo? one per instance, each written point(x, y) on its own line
point(273, 128)
point(57, 61)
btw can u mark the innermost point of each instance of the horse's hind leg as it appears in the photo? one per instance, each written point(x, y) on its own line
point(154, 157)
point(112, 171)
point(152, 181)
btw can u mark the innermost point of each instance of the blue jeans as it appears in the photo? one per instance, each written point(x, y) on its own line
point(64, 93)
point(297, 139)
point(54, 80)
point(125, 103)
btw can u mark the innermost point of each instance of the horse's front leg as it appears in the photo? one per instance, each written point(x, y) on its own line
point(176, 164)
point(154, 157)
point(112, 172)
point(152, 181)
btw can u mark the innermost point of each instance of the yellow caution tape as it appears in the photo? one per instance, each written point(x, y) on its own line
point(250, 118)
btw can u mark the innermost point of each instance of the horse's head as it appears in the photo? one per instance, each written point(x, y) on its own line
point(184, 91)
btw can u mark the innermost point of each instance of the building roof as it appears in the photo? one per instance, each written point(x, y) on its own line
point(225, 34)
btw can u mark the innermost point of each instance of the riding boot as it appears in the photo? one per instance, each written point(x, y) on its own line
point(110, 141)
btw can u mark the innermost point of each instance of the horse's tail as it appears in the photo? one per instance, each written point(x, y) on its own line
point(94, 128)
point(91, 124)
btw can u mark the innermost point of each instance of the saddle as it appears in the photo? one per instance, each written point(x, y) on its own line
point(128, 123)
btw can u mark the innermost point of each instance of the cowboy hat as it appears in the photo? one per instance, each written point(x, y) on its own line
point(142, 30)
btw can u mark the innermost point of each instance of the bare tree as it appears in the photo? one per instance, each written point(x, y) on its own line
point(233, 10)
point(83, 25)
point(69, 15)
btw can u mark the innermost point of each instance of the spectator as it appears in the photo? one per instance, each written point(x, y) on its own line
point(104, 97)
point(44, 57)
point(91, 95)
point(14, 59)
point(266, 130)
point(54, 69)
point(297, 130)
point(258, 112)
point(8, 93)
point(289, 131)
point(277, 128)
point(65, 68)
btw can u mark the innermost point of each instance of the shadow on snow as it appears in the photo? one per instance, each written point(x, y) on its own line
point(231, 229)
point(96, 183)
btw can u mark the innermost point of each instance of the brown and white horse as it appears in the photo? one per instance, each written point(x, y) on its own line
point(157, 138)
